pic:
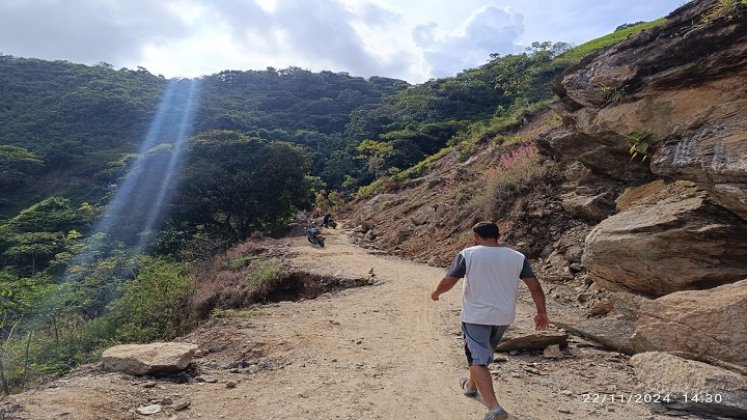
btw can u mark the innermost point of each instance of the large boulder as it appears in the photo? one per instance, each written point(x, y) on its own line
point(691, 385)
point(518, 339)
point(424, 214)
point(677, 88)
point(703, 323)
point(594, 207)
point(616, 330)
point(147, 359)
point(672, 238)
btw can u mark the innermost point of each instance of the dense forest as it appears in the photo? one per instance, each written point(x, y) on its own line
point(115, 182)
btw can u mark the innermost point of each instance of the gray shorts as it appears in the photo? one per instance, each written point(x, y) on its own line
point(480, 342)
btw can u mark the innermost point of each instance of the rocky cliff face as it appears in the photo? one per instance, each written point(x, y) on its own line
point(678, 89)
point(677, 95)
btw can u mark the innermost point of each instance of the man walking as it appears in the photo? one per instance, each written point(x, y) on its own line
point(491, 287)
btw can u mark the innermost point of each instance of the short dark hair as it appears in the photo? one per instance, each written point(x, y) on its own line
point(486, 230)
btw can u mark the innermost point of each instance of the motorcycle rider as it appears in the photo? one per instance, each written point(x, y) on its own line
point(312, 231)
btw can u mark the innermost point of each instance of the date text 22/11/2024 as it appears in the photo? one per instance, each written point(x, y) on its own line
point(651, 398)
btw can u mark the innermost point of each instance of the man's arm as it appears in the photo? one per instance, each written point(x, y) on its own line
point(538, 296)
point(457, 270)
point(444, 286)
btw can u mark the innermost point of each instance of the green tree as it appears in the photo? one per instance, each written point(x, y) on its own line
point(155, 304)
point(236, 184)
point(375, 153)
point(16, 161)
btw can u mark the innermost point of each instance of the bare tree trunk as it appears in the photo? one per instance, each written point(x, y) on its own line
point(3, 380)
point(26, 358)
point(6, 389)
point(56, 337)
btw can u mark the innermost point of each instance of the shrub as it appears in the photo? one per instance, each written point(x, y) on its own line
point(517, 171)
point(261, 274)
point(371, 190)
point(576, 54)
point(153, 304)
point(639, 144)
point(239, 262)
point(521, 156)
point(467, 148)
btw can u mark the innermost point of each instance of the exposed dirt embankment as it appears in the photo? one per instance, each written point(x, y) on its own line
point(428, 219)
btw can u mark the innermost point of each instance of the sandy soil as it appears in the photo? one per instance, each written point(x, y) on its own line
point(377, 352)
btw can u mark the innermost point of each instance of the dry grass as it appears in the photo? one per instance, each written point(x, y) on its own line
point(234, 279)
point(517, 171)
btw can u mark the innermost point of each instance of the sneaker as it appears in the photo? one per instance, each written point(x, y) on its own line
point(496, 413)
point(471, 393)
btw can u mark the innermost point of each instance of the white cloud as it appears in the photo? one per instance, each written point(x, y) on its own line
point(86, 30)
point(489, 30)
point(412, 40)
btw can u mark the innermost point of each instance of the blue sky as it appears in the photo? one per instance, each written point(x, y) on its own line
point(412, 40)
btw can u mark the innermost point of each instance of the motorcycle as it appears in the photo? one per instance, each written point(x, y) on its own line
point(314, 238)
point(330, 224)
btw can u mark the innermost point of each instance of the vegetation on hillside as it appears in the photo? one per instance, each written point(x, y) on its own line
point(521, 85)
point(575, 55)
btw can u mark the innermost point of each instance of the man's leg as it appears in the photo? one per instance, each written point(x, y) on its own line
point(470, 384)
point(480, 344)
point(479, 376)
point(479, 348)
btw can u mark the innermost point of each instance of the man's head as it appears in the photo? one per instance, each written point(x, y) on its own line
point(486, 232)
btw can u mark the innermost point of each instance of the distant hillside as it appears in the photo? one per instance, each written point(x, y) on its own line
point(80, 120)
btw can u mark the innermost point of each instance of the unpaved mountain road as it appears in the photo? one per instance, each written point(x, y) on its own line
point(377, 352)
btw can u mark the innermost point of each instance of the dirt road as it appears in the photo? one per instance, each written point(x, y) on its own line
point(376, 352)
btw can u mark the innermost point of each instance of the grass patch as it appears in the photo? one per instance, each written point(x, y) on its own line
point(576, 54)
point(421, 167)
point(515, 139)
point(261, 275)
point(371, 190)
point(726, 10)
point(243, 261)
point(498, 129)
point(517, 171)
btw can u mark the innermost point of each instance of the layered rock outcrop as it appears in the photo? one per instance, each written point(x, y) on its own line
point(666, 238)
point(691, 385)
point(675, 93)
point(703, 323)
point(678, 88)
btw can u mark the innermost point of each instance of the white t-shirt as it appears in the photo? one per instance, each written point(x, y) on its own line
point(491, 283)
